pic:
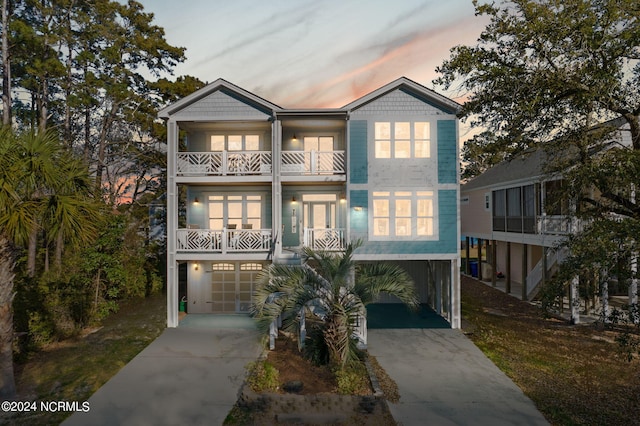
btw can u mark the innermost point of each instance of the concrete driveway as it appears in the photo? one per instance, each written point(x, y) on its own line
point(444, 379)
point(186, 376)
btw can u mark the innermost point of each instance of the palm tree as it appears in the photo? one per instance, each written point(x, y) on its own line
point(37, 181)
point(330, 289)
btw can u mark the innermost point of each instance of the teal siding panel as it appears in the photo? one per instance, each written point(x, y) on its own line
point(358, 160)
point(359, 220)
point(447, 160)
point(448, 232)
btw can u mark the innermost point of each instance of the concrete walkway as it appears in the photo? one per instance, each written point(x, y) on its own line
point(187, 376)
point(444, 379)
point(191, 375)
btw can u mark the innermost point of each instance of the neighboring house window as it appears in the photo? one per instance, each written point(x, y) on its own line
point(402, 214)
point(514, 209)
point(499, 210)
point(235, 210)
point(402, 139)
point(235, 142)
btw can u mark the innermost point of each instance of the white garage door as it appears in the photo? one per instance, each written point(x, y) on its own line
point(232, 286)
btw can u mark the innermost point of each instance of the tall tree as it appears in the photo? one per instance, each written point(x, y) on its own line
point(134, 44)
point(545, 73)
point(6, 65)
point(546, 69)
point(34, 163)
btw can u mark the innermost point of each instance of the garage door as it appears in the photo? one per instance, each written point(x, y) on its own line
point(232, 286)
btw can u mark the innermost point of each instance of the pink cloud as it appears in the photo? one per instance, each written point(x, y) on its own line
point(416, 57)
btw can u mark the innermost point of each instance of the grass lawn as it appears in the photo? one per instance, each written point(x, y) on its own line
point(573, 374)
point(74, 369)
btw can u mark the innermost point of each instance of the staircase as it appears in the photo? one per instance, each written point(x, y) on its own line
point(288, 257)
point(534, 278)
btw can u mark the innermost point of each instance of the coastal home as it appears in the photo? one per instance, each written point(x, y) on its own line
point(250, 183)
point(515, 214)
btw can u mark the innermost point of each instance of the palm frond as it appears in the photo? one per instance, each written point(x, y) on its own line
point(379, 277)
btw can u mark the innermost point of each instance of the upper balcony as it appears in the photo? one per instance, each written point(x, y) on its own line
point(224, 163)
point(259, 163)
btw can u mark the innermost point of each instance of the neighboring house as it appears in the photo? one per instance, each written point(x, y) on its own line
point(516, 214)
point(250, 183)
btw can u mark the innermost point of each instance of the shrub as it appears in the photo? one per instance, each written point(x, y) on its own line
point(263, 376)
point(352, 379)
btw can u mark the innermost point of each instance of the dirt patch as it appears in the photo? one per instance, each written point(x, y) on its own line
point(293, 367)
point(318, 402)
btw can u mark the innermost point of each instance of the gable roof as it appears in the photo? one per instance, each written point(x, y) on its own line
point(529, 165)
point(223, 85)
point(411, 87)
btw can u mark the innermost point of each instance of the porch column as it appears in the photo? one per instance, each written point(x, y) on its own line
point(480, 259)
point(494, 262)
point(544, 265)
point(172, 225)
point(507, 287)
point(574, 300)
point(524, 272)
point(454, 283)
point(276, 189)
point(467, 268)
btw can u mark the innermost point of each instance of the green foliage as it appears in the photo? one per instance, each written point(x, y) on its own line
point(331, 290)
point(263, 376)
point(627, 321)
point(563, 77)
point(353, 379)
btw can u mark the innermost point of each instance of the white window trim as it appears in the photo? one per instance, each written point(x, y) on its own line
point(412, 139)
point(414, 202)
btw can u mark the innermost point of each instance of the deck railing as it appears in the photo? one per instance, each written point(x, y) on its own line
point(313, 162)
point(224, 241)
point(223, 163)
point(558, 224)
point(325, 239)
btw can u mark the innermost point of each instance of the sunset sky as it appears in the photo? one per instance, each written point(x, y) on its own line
point(315, 53)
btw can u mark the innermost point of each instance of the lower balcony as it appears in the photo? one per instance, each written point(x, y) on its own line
point(223, 241)
point(325, 239)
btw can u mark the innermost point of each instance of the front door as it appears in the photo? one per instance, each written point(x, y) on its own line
point(319, 216)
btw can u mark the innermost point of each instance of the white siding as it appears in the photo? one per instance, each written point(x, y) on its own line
point(397, 102)
point(219, 105)
point(476, 220)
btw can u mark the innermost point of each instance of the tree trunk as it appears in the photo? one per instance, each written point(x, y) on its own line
point(32, 252)
point(57, 262)
point(7, 381)
point(103, 145)
point(6, 66)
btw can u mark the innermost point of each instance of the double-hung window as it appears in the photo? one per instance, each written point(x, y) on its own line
point(403, 215)
point(402, 139)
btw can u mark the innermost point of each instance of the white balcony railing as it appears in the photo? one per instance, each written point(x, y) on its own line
point(325, 239)
point(222, 163)
point(313, 162)
point(224, 241)
point(558, 224)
